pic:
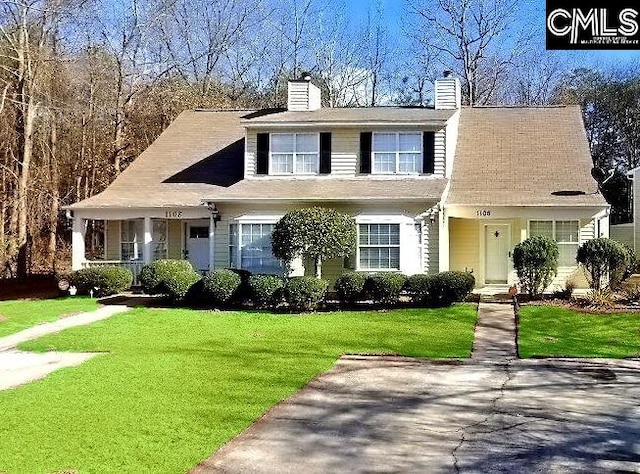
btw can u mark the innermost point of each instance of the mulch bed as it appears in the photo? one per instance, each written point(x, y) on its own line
point(34, 286)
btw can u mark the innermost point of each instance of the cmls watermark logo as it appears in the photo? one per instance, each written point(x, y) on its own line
point(579, 24)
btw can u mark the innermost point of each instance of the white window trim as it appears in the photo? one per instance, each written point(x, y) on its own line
point(137, 241)
point(397, 152)
point(553, 227)
point(295, 155)
point(399, 245)
point(240, 221)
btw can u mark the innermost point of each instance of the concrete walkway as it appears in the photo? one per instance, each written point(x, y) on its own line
point(495, 334)
point(20, 367)
point(491, 413)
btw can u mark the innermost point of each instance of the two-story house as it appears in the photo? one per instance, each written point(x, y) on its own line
point(431, 189)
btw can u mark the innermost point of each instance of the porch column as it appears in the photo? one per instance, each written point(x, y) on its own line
point(212, 241)
point(77, 243)
point(146, 241)
point(443, 236)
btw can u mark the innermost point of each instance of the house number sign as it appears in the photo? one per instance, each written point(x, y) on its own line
point(173, 214)
point(483, 213)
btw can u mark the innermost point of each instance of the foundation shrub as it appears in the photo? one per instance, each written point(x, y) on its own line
point(605, 262)
point(104, 281)
point(305, 293)
point(449, 287)
point(173, 278)
point(384, 288)
point(418, 288)
point(536, 262)
point(265, 290)
point(350, 287)
point(219, 286)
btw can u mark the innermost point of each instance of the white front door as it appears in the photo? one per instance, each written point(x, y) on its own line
point(198, 246)
point(497, 239)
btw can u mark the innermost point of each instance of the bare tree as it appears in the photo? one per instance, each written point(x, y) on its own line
point(475, 38)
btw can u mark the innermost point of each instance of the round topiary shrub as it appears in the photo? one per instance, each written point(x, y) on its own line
point(305, 293)
point(605, 262)
point(103, 281)
point(536, 262)
point(385, 287)
point(220, 285)
point(418, 287)
point(265, 290)
point(173, 278)
point(446, 288)
point(350, 287)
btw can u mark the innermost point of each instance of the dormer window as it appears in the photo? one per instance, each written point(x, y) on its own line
point(397, 153)
point(294, 153)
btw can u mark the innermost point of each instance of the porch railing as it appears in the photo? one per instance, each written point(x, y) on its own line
point(135, 266)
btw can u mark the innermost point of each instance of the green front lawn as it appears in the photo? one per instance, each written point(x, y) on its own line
point(549, 331)
point(17, 315)
point(177, 384)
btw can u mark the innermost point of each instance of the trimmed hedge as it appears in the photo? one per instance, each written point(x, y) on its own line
point(419, 288)
point(220, 285)
point(173, 278)
point(265, 290)
point(448, 287)
point(104, 281)
point(305, 293)
point(536, 262)
point(385, 287)
point(350, 286)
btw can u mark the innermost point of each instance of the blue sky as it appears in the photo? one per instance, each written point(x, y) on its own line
point(532, 12)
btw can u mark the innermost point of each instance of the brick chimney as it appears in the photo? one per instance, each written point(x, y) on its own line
point(447, 92)
point(303, 95)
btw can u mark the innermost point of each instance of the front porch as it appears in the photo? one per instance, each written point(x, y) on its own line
point(481, 241)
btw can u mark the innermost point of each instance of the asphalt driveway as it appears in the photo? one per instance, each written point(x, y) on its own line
point(491, 413)
point(381, 414)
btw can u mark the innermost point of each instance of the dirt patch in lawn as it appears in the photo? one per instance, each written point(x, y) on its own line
point(3, 318)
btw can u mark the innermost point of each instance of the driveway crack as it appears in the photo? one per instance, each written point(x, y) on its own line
point(506, 367)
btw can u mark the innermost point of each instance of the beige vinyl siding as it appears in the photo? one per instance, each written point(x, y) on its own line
point(251, 144)
point(439, 153)
point(221, 255)
point(331, 270)
point(345, 150)
point(431, 246)
point(174, 243)
point(112, 240)
point(464, 245)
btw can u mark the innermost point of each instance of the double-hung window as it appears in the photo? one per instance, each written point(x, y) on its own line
point(294, 153)
point(397, 152)
point(565, 233)
point(131, 239)
point(159, 239)
point(250, 248)
point(379, 247)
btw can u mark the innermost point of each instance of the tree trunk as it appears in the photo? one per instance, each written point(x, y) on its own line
point(318, 267)
point(55, 199)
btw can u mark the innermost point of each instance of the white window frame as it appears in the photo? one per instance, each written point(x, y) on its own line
point(398, 246)
point(137, 241)
point(397, 152)
point(237, 244)
point(553, 227)
point(155, 255)
point(295, 154)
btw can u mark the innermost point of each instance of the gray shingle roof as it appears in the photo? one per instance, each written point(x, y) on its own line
point(520, 156)
point(355, 115)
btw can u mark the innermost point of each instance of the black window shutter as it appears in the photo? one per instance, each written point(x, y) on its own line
point(428, 152)
point(325, 153)
point(365, 152)
point(262, 154)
